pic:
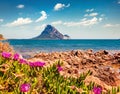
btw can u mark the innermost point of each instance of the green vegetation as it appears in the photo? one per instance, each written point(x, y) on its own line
point(18, 76)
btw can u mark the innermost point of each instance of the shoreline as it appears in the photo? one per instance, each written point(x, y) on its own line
point(28, 54)
point(104, 64)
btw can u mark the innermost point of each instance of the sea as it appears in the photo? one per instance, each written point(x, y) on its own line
point(27, 47)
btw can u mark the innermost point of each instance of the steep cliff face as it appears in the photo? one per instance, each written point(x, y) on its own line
point(50, 32)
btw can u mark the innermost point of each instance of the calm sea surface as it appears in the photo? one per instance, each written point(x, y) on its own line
point(24, 45)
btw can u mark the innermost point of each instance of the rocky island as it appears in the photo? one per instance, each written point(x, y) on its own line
point(51, 32)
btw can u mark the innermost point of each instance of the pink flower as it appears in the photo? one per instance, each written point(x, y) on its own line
point(25, 87)
point(16, 56)
point(6, 54)
point(37, 64)
point(59, 68)
point(23, 61)
point(31, 64)
point(97, 90)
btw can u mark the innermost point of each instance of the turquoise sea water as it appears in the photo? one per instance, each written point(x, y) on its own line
point(25, 45)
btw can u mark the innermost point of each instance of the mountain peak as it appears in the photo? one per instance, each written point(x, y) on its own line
point(50, 26)
point(50, 32)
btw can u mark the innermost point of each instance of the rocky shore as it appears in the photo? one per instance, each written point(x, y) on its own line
point(105, 66)
point(5, 47)
point(1, 37)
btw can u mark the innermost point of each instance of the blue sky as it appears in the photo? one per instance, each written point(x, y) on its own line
point(80, 19)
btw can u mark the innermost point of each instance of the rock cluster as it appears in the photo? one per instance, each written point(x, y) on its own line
point(5, 47)
point(105, 67)
point(1, 37)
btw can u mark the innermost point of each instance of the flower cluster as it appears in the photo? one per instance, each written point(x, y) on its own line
point(23, 61)
point(59, 68)
point(97, 90)
point(16, 56)
point(6, 54)
point(25, 87)
point(37, 64)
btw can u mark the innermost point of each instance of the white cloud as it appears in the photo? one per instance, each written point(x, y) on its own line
point(60, 6)
point(111, 25)
point(89, 22)
point(20, 6)
point(86, 15)
point(43, 17)
point(1, 20)
point(84, 19)
point(93, 14)
point(100, 19)
point(89, 10)
point(102, 15)
point(84, 22)
point(56, 22)
point(68, 5)
point(19, 22)
point(40, 27)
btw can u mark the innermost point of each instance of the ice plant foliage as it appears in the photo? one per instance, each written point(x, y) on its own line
point(40, 78)
point(6, 54)
point(16, 56)
point(37, 64)
point(97, 90)
point(25, 87)
point(59, 68)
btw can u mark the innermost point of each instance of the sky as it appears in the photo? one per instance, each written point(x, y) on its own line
point(80, 19)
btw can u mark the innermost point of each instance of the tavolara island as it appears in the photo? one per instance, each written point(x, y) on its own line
point(51, 32)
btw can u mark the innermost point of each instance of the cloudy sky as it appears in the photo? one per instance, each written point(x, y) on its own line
point(80, 19)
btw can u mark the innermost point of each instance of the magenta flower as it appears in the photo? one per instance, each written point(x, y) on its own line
point(16, 56)
point(31, 64)
point(59, 68)
point(97, 90)
point(37, 64)
point(25, 87)
point(6, 54)
point(23, 61)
